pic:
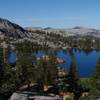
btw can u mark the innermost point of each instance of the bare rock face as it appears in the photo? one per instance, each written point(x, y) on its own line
point(10, 29)
point(19, 96)
point(26, 96)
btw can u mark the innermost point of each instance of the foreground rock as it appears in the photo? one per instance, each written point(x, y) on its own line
point(19, 96)
point(32, 96)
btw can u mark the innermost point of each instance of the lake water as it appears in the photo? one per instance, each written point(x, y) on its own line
point(86, 62)
point(12, 57)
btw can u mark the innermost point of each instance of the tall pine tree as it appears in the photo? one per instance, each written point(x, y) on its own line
point(73, 78)
point(98, 74)
point(73, 71)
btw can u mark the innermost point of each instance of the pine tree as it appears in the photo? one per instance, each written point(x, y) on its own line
point(26, 69)
point(47, 71)
point(98, 74)
point(73, 78)
point(9, 81)
point(73, 71)
point(73, 75)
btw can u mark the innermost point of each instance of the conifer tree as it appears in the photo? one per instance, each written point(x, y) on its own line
point(98, 74)
point(73, 76)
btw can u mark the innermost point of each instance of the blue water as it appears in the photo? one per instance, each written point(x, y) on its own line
point(12, 57)
point(85, 62)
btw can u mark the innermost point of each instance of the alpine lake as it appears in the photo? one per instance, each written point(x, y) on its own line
point(85, 60)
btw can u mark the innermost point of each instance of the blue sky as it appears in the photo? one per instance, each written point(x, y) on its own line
point(52, 13)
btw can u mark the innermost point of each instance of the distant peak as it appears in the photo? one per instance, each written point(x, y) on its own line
point(78, 27)
point(47, 28)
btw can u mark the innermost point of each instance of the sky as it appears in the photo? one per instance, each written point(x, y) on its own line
point(52, 13)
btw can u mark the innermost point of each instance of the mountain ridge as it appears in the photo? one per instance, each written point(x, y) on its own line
point(77, 30)
point(10, 29)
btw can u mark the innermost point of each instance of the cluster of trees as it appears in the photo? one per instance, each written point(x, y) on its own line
point(29, 70)
point(26, 71)
point(85, 43)
point(54, 37)
point(81, 42)
point(94, 84)
point(73, 83)
point(29, 47)
point(98, 74)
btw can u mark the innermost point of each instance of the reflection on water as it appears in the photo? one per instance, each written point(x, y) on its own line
point(85, 60)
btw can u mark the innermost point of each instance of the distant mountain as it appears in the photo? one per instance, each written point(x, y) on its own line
point(53, 37)
point(78, 30)
point(77, 27)
point(82, 30)
point(47, 28)
point(33, 28)
point(59, 37)
point(10, 29)
point(37, 28)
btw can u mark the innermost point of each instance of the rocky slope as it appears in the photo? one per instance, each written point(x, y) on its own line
point(60, 37)
point(80, 31)
point(83, 31)
point(10, 29)
point(44, 36)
